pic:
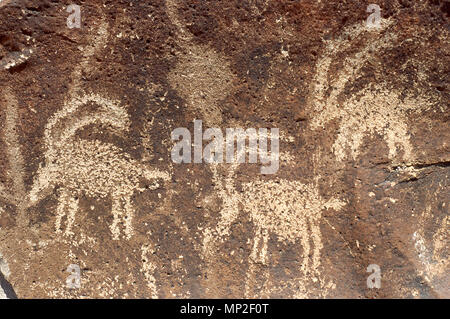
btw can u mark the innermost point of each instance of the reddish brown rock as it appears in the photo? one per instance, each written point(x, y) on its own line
point(87, 179)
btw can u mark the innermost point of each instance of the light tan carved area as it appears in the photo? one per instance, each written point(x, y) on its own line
point(375, 109)
point(4, 269)
point(292, 211)
point(91, 168)
point(149, 269)
point(432, 258)
point(202, 77)
point(287, 210)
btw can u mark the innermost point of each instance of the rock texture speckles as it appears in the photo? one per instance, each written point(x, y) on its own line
point(87, 179)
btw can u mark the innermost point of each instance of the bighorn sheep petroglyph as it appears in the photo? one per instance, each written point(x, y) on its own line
point(84, 167)
point(16, 194)
point(92, 168)
point(375, 109)
point(288, 209)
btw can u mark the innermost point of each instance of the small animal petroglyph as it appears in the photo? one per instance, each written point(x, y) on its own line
point(301, 207)
point(93, 168)
point(373, 110)
point(288, 209)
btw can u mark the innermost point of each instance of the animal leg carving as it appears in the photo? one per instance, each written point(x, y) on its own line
point(67, 206)
point(128, 216)
point(317, 241)
point(304, 239)
point(122, 211)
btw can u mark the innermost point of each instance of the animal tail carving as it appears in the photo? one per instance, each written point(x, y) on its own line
point(155, 174)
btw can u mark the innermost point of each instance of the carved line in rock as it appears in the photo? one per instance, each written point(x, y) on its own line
point(288, 209)
point(93, 168)
point(432, 252)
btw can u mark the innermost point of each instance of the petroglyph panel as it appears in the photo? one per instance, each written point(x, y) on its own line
point(87, 180)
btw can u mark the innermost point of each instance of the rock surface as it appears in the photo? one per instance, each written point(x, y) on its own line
point(86, 176)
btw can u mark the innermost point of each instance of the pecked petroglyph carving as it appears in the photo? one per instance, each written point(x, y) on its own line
point(432, 251)
point(148, 269)
point(373, 110)
point(202, 77)
point(292, 211)
point(92, 168)
point(288, 209)
point(268, 203)
point(78, 167)
point(12, 57)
